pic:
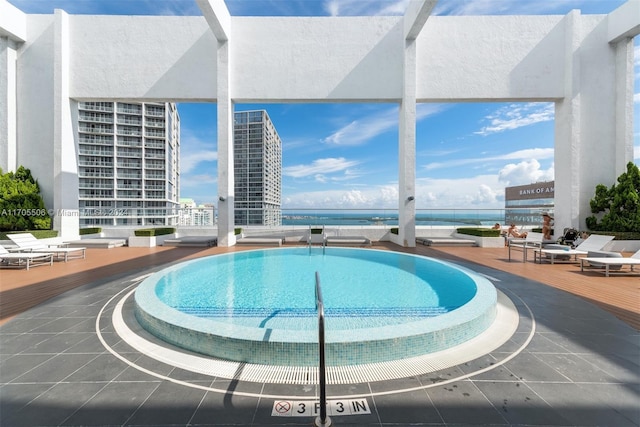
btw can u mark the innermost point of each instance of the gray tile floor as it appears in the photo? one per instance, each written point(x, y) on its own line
point(581, 368)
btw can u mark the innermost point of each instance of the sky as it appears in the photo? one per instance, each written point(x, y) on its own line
point(345, 156)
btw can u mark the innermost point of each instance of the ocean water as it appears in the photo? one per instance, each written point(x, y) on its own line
point(391, 219)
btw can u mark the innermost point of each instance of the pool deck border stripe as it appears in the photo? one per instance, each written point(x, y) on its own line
point(501, 330)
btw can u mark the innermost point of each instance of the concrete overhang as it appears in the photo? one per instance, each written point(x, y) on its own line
point(416, 15)
point(217, 16)
point(13, 22)
point(624, 22)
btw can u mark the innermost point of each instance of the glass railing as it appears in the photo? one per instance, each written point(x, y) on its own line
point(348, 218)
point(364, 217)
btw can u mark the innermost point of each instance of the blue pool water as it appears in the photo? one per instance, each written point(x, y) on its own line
point(275, 288)
point(259, 306)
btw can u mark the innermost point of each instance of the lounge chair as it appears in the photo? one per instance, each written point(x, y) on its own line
point(532, 241)
point(607, 261)
point(243, 239)
point(594, 242)
point(23, 259)
point(317, 236)
point(347, 240)
point(27, 243)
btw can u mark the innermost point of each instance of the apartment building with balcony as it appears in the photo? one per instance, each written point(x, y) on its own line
point(192, 214)
point(128, 163)
point(257, 169)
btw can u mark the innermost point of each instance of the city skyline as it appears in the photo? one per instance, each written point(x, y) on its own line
point(345, 155)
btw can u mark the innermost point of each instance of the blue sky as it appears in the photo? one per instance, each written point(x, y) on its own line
point(345, 155)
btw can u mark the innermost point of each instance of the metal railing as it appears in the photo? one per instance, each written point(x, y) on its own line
point(323, 419)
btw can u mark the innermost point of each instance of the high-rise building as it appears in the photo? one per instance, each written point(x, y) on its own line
point(128, 163)
point(524, 204)
point(258, 169)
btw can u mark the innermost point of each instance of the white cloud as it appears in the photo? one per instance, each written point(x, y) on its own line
point(358, 132)
point(194, 150)
point(482, 191)
point(529, 153)
point(375, 197)
point(515, 116)
point(198, 180)
point(525, 172)
point(503, 7)
point(319, 167)
point(189, 161)
point(365, 8)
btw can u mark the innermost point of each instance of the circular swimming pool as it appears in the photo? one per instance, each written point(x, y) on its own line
point(259, 306)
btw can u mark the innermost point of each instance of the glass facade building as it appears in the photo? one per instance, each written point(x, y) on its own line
point(128, 163)
point(524, 204)
point(258, 169)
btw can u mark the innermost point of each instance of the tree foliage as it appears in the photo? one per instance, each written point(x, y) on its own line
point(619, 206)
point(21, 206)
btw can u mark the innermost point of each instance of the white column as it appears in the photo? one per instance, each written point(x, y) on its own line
point(624, 105)
point(407, 150)
point(567, 135)
point(65, 165)
point(226, 236)
point(8, 141)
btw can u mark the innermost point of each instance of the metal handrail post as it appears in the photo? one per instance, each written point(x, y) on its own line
point(323, 420)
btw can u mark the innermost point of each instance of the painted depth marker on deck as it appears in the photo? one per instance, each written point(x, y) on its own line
point(311, 408)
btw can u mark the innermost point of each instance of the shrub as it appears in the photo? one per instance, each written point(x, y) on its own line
point(316, 231)
point(394, 230)
point(150, 232)
point(618, 206)
point(237, 231)
point(481, 232)
point(90, 230)
point(21, 206)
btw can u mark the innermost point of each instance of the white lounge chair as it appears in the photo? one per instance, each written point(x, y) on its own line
point(317, 236)
point(23, 259)
point(26, 242)
point(611, 262)
point(269, 240)
point(347, 240)
point(595, 242)
point(532, 241)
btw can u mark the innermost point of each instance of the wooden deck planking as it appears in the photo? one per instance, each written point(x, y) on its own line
point(21, 289)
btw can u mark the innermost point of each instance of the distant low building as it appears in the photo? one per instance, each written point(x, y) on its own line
point(524, 204)
point(192, 214)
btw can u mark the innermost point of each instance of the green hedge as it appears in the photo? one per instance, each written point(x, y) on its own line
point(481, 232)
point(316, 231)
point(38, 234)
point(237, 231)
point(150, 232)
point(619, 235)
point(91, 230)
point(394, 230)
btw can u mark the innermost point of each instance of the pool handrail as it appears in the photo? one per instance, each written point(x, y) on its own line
point(322, 420)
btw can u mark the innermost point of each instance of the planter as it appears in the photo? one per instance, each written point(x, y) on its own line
point(483, 242)
point(142, 242)
point(149, 241)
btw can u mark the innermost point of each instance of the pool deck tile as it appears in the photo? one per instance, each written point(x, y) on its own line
point(581, 368)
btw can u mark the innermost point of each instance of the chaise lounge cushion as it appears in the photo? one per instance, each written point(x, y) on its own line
point(558, 246)
point(604, 254)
